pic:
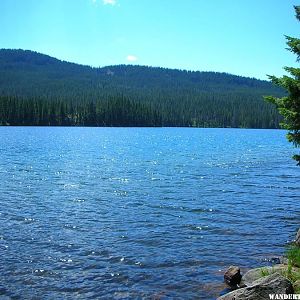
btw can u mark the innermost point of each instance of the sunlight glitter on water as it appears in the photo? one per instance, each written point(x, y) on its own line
point(161, 209)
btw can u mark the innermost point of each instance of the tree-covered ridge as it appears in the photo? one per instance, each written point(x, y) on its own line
point(37, 89)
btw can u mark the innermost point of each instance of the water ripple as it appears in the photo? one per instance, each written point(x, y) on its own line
point(123, 213)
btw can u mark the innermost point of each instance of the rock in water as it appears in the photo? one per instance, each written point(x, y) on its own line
point(233, 276)
point(261, 288)
point(297, 240)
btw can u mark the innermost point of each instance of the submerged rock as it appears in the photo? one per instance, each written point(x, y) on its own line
point(233, 276)
point(261, 288)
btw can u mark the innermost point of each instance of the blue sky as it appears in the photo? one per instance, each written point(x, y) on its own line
point(243, 37)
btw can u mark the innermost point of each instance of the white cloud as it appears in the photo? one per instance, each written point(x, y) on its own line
point(131, 58)
point(109, 2)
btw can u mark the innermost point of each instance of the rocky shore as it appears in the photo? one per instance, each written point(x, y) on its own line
point(281, 281)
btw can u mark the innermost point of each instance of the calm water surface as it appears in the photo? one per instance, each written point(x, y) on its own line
point(132, 213)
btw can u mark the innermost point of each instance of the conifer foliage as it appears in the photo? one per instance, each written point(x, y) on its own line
point(40, 90)
point(289, 106)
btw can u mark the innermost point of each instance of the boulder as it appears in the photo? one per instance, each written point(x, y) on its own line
point(283, 260)
point(261, 288)
point(297, 240)
point(258, 273)
point(233, 276)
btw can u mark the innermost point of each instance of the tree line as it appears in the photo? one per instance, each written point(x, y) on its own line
point(121, 111)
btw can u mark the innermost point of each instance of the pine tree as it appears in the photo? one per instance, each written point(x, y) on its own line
point(289, 106)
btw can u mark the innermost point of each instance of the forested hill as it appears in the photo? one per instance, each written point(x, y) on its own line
point(37, 89)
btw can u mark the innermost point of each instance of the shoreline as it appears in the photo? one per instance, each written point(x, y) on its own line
point(280, 281)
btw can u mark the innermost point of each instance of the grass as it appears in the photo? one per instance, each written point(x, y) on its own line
point(292, 272)
point(293, 268)
point(265, 272)
point(293, 255)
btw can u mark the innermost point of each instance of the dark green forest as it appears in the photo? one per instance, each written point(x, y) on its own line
point(37, 89)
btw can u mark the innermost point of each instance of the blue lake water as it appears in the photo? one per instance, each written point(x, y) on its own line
point(140, 213)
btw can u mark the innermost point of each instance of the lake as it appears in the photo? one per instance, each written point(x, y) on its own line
point(140, 213)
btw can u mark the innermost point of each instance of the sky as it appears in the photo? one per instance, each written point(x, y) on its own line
point(242, 37)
